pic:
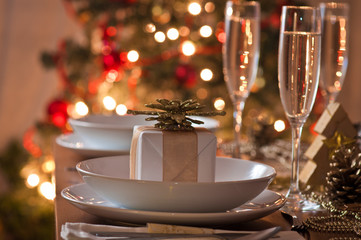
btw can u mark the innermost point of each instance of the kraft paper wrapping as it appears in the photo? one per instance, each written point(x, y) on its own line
point(180, 157)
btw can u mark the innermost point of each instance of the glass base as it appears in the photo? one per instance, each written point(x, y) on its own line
point(296, 202)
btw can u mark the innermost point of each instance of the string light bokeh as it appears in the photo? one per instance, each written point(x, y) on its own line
point(118, 87)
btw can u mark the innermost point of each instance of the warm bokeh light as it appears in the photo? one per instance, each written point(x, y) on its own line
point(279, 125)
point(47, 189)
point(219, 104)
point(159, 37)
point(121, 109)
point(209, 7)
point(81, 108)
point(106, 50)
point(259, 83)
point(205, 31)
point(133, 56)
point(172, 34)
point(340, 60)
point(343, 33)
point(48, 166)
point(157, 10)
point(150, 27)
point(202, 93)
point(194, 8)
point(206, 74)
point(109, 103)
point(184, 31)
point(33, 180)
point(221, 37)
point(188, 48)
point(112, 75)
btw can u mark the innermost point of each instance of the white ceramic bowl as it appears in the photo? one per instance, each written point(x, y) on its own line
point(115, 132)
point(110, 132)
point(237, 181)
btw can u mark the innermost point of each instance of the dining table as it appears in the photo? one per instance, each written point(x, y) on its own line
point(67, 175)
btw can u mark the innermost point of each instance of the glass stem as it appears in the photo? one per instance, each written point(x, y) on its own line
point(296, 141)
point(237, 124)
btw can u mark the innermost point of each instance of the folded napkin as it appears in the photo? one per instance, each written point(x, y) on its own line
point(82, 231)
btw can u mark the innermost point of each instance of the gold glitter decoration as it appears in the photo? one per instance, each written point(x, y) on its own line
point(174, 114)
point(341, 219)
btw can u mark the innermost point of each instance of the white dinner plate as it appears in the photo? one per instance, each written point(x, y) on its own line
point(74, 142)
point(87, 200)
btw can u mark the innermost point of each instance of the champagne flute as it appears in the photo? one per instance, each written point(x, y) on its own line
point(298, 76)
point(334, 53)
point(240, 57)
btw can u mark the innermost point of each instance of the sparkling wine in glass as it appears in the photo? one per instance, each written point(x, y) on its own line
point(334, 53)
point(298, 75)
point(240, 56)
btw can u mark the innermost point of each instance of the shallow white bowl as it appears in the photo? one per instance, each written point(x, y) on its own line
point(237, 181)
point(109, 132)
point(115, 132)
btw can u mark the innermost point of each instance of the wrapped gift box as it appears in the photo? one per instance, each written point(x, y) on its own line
point(187, 156)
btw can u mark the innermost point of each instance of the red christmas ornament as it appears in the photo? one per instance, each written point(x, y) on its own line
point(112, 60)
point(58, 112)
point(186, 76)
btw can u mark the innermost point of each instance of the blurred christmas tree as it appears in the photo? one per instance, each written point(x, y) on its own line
point(130, 53)
point(136, 51)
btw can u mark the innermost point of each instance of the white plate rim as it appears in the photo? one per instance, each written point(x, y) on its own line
point(115, 213)
point(66, 140)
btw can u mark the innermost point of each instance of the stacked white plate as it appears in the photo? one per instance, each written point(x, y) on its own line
point(238, 194)
point(84, 198)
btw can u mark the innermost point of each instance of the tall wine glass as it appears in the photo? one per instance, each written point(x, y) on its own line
point(240, 56)
point(298, 75)
point(334, 53)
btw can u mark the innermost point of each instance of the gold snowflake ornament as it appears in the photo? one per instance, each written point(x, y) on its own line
point(174, 114)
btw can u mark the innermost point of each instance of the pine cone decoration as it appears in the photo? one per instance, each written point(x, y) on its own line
point(344, 177)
